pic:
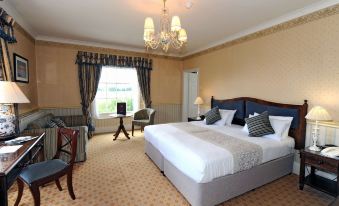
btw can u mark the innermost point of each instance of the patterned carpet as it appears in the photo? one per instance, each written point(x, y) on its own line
point(120, 174)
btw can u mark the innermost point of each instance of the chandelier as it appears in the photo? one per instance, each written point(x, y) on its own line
point(171, 33)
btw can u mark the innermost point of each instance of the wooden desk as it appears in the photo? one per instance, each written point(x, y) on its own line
point(11, 164)
point(121, 126)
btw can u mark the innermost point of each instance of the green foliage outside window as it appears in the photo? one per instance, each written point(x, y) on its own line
point(110, 105)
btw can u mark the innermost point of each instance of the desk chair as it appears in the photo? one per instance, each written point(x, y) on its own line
point(41, 173)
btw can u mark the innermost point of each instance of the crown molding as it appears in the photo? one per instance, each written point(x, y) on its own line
point(102, 49)
point(23, 24)
point(107, 46)
point(300, 16)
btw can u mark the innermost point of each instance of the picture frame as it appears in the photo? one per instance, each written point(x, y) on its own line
point(21, 69)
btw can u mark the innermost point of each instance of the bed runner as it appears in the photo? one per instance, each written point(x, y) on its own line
point(245, 154)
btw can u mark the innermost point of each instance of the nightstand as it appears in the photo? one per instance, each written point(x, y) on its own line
point(318, 162)
point(192, 119)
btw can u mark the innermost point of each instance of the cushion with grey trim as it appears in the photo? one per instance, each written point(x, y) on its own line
point(260, 125)
point(59, 122)
point(212, 116)
point(52, 124)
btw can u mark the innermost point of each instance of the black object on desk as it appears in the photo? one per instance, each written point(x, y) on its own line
point(11, 164)
point(121, 108)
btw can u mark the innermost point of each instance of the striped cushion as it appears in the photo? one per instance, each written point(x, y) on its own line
point(59, 122)
point(259, 126)
point(212, 116)
point(51, 124)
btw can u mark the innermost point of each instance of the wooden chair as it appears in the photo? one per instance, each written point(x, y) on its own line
point(143, 118)
point(41, 173)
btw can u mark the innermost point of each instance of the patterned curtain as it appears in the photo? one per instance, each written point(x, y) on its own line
point(6, 36)
point(144, 79)
point(89, 76)
point(142, 65)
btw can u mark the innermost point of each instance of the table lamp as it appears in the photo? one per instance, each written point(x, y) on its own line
point(198, 101)
point(317, 114)
point(10, 94)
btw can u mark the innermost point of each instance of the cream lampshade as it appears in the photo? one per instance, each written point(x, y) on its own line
point(199, 101)
point(10, 94)
point(317, 114)
point(175, 24)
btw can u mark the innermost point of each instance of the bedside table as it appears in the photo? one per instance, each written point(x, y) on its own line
point(192, 119)
point(318, 162)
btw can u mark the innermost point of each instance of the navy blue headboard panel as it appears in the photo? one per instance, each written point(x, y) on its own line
point(238, 105)
point(248, 105)
point(252, 107)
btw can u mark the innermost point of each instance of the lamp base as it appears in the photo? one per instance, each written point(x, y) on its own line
point(314, 148)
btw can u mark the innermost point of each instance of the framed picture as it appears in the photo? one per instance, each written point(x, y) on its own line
point(21, 71)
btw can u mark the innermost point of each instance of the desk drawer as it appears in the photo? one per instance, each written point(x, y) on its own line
point(322, 163)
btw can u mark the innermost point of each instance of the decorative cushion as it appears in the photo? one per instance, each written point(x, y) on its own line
point(259, 126)
point(52, 124)
point(40, 122)
point(281, 125)
point(59, 122)
point(212, 116)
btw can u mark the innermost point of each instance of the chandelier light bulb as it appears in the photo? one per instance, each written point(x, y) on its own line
point(182, 35)
point(175, 25)
point(149, 25)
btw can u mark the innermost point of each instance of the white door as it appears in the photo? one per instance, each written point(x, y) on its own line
point(190, 94)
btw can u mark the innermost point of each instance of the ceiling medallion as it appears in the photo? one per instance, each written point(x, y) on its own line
point(171, 33)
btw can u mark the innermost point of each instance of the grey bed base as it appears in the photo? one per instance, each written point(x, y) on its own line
point(223, 188)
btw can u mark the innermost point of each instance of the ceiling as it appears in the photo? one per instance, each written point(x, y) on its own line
point(119, 23)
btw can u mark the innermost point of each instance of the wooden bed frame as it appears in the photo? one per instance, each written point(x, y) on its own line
point(224, 188)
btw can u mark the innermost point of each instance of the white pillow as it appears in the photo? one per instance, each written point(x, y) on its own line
point(281, 126)
point(226, 117)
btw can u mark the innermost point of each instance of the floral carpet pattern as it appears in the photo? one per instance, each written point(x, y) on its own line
point(118, 173)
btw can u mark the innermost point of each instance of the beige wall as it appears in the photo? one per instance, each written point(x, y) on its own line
point(25, 47)
point(58, 78)
point(288, 66)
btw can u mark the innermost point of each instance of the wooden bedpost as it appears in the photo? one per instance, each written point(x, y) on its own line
point(212, 99)
point(302, 125)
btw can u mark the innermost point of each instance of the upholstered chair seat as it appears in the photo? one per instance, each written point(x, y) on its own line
point(41, 170)
point(143, 118)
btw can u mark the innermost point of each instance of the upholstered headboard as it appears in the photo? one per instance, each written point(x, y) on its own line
point(248, 105)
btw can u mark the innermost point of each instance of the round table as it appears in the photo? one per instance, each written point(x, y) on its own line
point(121, 126)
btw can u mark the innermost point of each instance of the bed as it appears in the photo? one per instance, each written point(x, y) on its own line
point(202, 171)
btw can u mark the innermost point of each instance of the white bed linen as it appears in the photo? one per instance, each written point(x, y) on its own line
point(203, 161)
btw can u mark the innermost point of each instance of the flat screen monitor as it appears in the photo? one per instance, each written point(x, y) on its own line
point(121, 108)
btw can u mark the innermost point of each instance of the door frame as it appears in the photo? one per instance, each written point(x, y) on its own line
point(197, 70)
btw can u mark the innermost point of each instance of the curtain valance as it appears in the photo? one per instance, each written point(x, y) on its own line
point(113, 60)
point(6, 27)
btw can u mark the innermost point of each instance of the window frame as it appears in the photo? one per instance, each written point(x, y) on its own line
point(135, 85)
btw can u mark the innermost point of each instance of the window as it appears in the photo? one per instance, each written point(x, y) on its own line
point(117, 85)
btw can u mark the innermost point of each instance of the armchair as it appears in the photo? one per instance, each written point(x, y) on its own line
point(143, 118)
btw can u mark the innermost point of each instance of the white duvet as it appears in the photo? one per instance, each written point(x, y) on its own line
point(203, 161)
